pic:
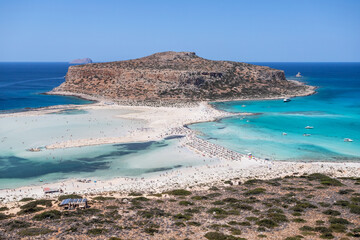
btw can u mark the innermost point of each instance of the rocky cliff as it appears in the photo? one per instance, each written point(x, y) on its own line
point(178, 76)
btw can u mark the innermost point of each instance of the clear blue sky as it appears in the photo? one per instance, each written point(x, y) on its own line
point(239, 30)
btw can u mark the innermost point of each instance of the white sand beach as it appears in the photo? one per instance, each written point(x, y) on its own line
point(112, 123)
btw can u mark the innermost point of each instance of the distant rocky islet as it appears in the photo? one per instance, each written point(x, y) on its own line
point(81, 61)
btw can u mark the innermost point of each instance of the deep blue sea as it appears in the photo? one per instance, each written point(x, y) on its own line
point(334, 112)
point(22, 85)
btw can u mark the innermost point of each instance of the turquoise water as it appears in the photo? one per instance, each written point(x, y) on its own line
point(19, 167)
point(334, 112)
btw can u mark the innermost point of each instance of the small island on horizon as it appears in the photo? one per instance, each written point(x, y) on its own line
point(81, 61)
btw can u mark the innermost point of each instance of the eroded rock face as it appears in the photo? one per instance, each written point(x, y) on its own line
point(177, 76)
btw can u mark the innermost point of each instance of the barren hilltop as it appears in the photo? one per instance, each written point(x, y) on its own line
point(178, 76)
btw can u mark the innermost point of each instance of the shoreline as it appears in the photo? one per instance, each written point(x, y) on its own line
point(226, 163)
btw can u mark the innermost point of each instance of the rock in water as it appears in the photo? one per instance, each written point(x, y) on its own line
point(81, 61)
point(175, 76)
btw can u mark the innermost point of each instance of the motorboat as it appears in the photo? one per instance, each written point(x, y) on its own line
point(33, 150)
point(309, 127)
point(348, 140)
point(284, 133)
point(287, 99)
point(306, 134)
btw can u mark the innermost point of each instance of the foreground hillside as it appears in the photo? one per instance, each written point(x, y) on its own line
point(178, 76)
point(308, 207)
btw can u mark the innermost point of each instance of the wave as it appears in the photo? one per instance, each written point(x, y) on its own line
point(25, 81)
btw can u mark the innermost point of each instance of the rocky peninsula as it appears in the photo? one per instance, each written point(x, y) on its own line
point(178, 76)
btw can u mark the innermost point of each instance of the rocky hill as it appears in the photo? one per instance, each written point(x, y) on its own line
point(178, 76)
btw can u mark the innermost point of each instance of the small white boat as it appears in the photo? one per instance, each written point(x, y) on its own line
point(306, 135)
point(33, 150)
point(309, 127)
point(298, 75)
point(348, 140)
point(287, 99)
point(284, 133)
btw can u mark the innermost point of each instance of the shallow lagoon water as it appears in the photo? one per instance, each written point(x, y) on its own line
point(19, 167)
point(334, 112)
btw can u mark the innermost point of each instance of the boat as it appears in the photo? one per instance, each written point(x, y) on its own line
point(284, 133)
point(33, 150)
point(348, 140)
point(309, 127)
point(306, 134)
point(287, 99)
point(298, 75)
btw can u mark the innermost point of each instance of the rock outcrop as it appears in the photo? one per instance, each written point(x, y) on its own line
point(81, 61)
point(178, 76)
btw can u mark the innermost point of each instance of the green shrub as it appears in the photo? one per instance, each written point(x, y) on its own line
point(255, 191)
point(298, 220)
point(220, 236)
point(354, 209)
point(151, 230)
point(180, 216)
point(325, 180)
point(345, 191)
point(277, 217)
point(299, 237)
point(97, 231)
point(3, 216)
point(337, 227)
point(185, 203)
point(306, 228)
point(334, 220)
point(34, 231)
point(218, 211)
point(18, 224)
point(327, 236)
point(268, 223)
point(30, 210)
point(102, 198)
point(52, 214)
point(26, 199)
point(180, 224)
point(180, 192)
point(3, 209)
point(235, 231)
point(33, 204)
point(331, 212)
point(342, 203)
point(194, 224)
point(199, 198)
point(322, 230)
point(135, 194)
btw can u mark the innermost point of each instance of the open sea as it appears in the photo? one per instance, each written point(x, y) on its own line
point(22, 85)
point(334, 113)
